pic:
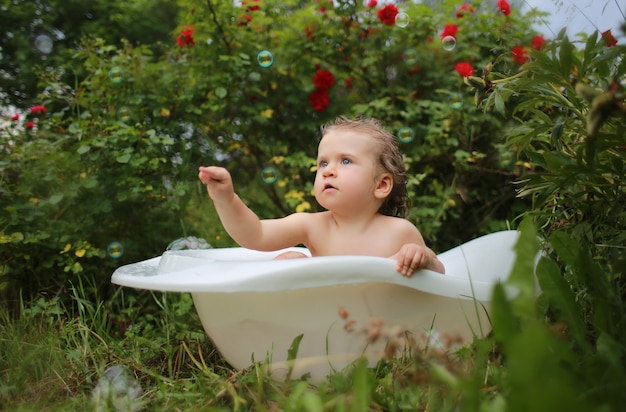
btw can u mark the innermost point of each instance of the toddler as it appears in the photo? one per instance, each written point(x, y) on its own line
point(360, 181)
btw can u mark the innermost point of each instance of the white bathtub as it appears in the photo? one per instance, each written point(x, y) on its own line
point(253, 307)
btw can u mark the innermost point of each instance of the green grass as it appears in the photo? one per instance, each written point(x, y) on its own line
point(55, 350)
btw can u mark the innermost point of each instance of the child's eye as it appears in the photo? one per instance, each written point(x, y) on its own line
point(322, 163)
point(346, 161)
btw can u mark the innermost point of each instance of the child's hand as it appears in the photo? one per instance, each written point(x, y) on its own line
point(218, 182)
point(412, 257)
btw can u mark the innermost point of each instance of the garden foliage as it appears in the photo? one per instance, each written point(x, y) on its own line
point(99, 169)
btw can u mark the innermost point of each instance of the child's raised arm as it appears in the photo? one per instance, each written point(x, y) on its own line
point(242, 224)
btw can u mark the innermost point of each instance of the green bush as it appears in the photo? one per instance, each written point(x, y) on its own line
point(114, 156)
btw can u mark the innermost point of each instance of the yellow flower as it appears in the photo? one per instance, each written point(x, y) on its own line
point(80, 253)
point(165, 112)
point(303, 207)
point(277, 159)
point(65, 249)
point(267, 113)
point(293, 194)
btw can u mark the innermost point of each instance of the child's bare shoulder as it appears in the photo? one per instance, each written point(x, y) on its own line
point(399, 226)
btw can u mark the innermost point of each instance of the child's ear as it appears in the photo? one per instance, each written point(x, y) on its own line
point(384, 186)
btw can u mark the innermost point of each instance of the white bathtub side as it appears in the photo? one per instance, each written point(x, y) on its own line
point(249, 324)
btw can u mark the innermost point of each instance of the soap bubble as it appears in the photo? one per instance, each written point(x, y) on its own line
point(406, 135)
point(448, 43)
point(43, 43)
point(189, 242)
point(265, 58)
point(116, 75)
point(410, 56)
point(456, 100)
point(116, 390)
point(124, 114)
point(402, 20)
point(115, 250)
point(269, 175)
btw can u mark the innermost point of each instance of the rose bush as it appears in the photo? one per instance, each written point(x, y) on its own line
point(114, 157)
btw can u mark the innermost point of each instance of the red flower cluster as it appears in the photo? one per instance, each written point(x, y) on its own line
point(609, 40)
point(538, 42)
point(449, 30)
point(185, 38)
point(38, 108)
point(465, 69)
point(388, 14)
point(254, 7)
point(504, 7)
point(323, 81)
point(34, 112)
point(520, 54)
point(246, 18)
point(464, 10)
point(309, 32)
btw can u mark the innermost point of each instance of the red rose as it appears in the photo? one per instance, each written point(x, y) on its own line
point(372, 3)
point(388, 14)
point(520, 54)
point(609, 40)
point(310, 32)
point(185, 38)
point(245, 19)
point(323, 79)
point(38, 108)
point(465, 69)
point(449, 30)
point(318, 99)
point(15, 117)
point(505, 7)
point(538, 42)
point(29, 125)
point(463, 10)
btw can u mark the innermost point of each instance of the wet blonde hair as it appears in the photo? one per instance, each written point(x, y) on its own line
point(389, 159)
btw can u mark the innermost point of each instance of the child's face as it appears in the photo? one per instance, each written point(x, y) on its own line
point(346, 170)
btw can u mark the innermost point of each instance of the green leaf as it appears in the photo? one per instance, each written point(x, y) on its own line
point(125, 158)
point(83, 149)
point(56, 198)
point(561, 297)
point(566, 247)
point(221, 92)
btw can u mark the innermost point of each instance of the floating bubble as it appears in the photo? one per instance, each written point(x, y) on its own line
point(115, 250)
point(402, 20)
point(410, 56)
point(189, 242)
point(43, 43)
point(265, 58)
point(456, 100)
point(124, 114)
point(117, 390)
point(448, 43)
point(406, 135)
point(269, 175)
point(116, 75)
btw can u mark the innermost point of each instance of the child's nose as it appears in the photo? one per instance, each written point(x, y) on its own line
point(329, 170)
